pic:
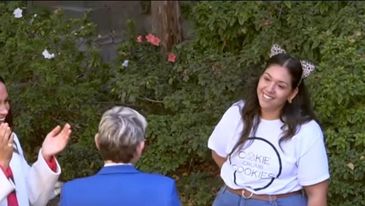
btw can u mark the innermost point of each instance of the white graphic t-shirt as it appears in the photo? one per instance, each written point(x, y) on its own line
point(261, 165)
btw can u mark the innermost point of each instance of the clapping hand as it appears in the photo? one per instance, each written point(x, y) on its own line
point(56, 141)
point(6, 145)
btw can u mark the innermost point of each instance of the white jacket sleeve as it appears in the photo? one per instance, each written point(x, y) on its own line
point(41, 181)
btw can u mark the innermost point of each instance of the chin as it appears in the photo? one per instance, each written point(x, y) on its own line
point(264, 105)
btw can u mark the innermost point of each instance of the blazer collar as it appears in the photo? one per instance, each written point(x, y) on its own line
point(118, 169)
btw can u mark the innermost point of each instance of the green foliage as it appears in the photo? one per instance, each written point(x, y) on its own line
point(343, 94)
point(197, 188)
point(329, 34)
point(177, 98)
point(79, 161)
point(228, 25)
point(184, 100)
point(47, 92)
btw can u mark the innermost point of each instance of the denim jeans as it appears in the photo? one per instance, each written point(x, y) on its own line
point(227, 198)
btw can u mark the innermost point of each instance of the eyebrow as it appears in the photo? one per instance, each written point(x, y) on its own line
point(279, 81)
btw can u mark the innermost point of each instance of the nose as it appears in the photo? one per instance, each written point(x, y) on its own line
point(271, 87)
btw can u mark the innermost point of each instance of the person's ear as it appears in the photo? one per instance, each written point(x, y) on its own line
point(138, 152)
point(140, 148)
point(293, 95)
point(96, 138)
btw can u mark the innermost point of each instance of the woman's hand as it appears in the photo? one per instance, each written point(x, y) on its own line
point(6, 145)
point(56, 141)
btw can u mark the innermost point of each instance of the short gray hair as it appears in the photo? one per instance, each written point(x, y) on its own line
point(121, 129)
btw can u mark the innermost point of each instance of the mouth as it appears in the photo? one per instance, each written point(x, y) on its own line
point(2, 120)
point(267, 97)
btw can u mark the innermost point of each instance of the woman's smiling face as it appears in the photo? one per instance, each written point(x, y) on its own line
point(274, 89)
point(4, 102)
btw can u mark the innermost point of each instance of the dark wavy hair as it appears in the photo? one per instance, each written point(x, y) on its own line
point(9, 117)
point(293, 115)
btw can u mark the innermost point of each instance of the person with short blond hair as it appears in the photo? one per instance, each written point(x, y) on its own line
point(120, 140)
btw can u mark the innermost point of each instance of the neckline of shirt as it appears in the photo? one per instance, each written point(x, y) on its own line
point(270, 120)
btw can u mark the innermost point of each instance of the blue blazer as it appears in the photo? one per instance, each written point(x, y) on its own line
point(120, 185)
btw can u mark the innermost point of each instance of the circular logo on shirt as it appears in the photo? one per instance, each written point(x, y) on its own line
point(256, 165)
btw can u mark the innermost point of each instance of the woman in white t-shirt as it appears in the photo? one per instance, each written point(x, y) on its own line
point(269, 147)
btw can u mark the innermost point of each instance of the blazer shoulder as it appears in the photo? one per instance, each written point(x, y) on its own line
point(78, 182)
point(159, 177)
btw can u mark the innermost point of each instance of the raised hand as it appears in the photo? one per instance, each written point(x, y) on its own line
point(6, 145)
point(56, 141)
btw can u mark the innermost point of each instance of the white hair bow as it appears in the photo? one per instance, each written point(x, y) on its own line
point(307, 67)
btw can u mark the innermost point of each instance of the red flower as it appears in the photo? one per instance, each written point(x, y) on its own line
point(139, 39)
point(171, 57)
point(149, 37)
point(156, 41)
point(153, 39)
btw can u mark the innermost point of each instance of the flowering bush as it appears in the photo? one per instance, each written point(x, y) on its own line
point(51, 81)
point(181, 97)
point(184, 93)
point(183, 101)
point(171, 57)
point(330, 35)
point(153, 39)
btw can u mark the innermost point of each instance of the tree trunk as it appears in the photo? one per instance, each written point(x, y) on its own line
point(166, 23)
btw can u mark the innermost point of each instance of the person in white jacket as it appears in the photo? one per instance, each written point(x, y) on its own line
point(21, 184)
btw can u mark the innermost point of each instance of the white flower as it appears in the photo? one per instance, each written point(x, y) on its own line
point(34, 16)
point(47, 55)
point(18, 13)
point(125, 63)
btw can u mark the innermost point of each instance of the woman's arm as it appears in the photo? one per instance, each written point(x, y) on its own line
point(218, 159)
point(317, 194)
point(41, 179)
